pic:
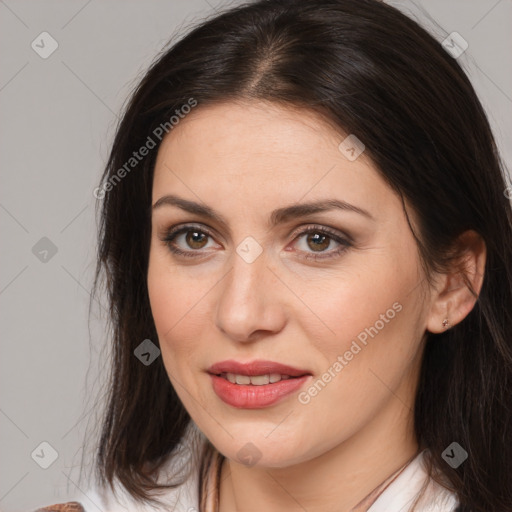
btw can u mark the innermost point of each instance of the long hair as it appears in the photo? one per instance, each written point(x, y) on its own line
point(373, 72)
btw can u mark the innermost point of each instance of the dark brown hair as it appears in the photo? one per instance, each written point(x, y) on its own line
point(373, 72)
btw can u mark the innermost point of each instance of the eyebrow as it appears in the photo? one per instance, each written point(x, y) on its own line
point(278, 216)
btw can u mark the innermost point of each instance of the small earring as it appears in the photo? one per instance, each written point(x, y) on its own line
point(446, 323)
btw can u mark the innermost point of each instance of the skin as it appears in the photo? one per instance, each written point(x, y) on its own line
point(244, 160)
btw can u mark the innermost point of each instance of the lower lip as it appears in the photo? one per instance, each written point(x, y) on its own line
point(255, 397)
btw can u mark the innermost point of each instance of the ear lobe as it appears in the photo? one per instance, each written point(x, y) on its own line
point(458, 291)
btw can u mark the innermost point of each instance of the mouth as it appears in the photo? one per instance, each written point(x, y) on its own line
point(254, 380)
point(256, 384)
point(257, 368)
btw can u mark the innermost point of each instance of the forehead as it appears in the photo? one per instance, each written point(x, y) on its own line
point(265, 152)
point(250, 128)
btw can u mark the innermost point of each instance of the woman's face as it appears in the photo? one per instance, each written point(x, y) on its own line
point(249, 289)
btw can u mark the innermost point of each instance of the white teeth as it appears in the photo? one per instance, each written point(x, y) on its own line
point(255, 380)
point(243, 379)
point(260, 380)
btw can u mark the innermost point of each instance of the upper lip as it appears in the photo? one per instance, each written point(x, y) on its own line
point(258, 367)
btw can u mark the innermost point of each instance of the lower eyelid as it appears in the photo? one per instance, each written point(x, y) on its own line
point(343, 246)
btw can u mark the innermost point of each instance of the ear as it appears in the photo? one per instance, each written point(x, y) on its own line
point(452, 299)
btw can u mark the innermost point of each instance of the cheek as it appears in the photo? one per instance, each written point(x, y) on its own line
point(171, 295)
point(169, 301)
point(345, 305)
point(371, 351)
point(179, 308)
point(368, 335)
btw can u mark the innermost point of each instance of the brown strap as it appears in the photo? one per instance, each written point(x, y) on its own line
point(70, 506)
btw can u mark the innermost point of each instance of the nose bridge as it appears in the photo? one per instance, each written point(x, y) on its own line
point(243, 285)
point(247, 301)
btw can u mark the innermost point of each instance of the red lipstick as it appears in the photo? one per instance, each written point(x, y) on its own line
point(284, 380)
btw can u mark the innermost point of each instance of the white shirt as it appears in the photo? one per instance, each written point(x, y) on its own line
point(399, 496)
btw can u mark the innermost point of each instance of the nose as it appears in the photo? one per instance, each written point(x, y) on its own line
point(251, 302)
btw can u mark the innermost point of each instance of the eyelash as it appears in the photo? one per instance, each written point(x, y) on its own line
point(172, 233)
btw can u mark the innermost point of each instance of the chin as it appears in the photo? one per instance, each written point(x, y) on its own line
point(260, 452)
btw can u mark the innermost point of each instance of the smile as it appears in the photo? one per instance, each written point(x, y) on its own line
point(254, 380)
point(254, 392)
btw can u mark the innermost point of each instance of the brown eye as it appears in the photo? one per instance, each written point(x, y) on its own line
point(318, 241)
point(196, 239)
point(315, 242)
point(178, 240)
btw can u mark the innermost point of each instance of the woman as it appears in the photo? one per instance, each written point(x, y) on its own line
point(308, 250)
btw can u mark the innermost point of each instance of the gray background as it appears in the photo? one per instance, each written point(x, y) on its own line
point(58, 119)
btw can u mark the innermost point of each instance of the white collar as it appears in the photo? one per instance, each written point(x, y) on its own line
point(401, 494)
